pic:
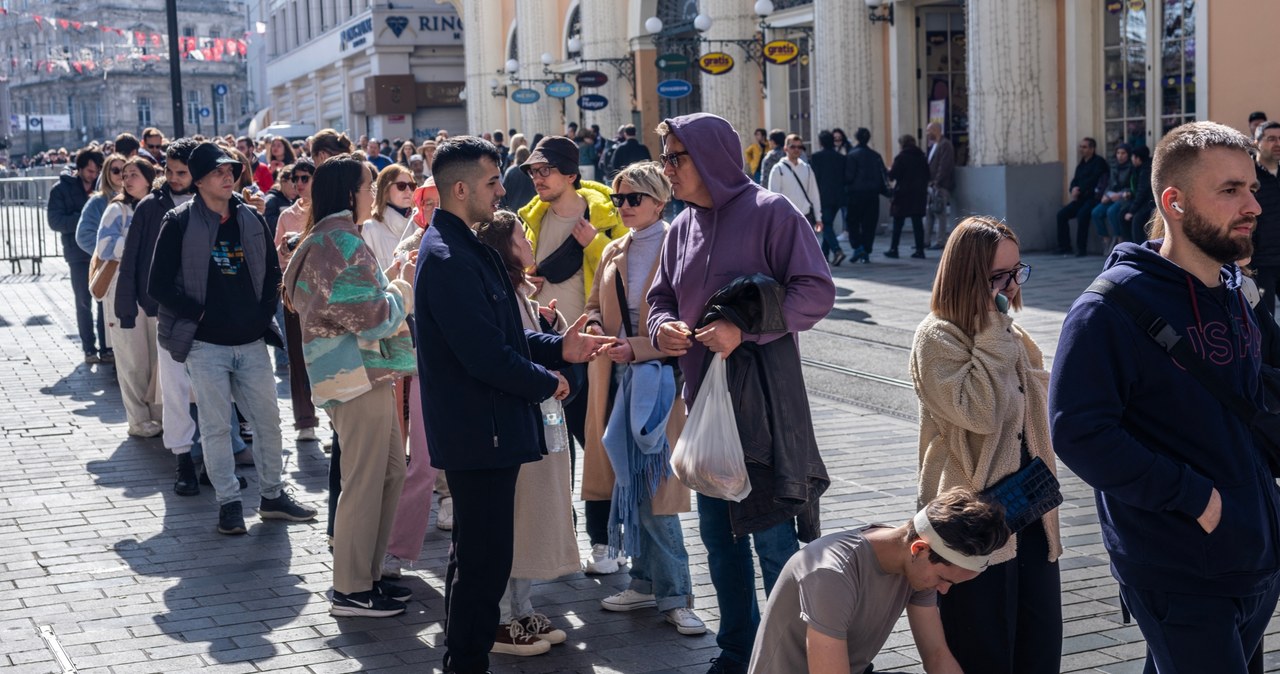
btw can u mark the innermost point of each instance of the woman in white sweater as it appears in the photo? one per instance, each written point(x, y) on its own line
point(135, 348)
point(983, 396)
point(392, 206)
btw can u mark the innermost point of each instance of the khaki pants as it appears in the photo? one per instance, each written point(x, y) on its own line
point(373, 471)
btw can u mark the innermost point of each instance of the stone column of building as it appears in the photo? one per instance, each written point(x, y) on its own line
point(848, 84)
point(604, 35)
point(483, 59)
point(538, 24)
point(736, 94)
point(1013, 94)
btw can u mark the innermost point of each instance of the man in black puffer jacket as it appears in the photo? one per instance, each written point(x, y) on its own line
point(1266, 236)
point(66, 200)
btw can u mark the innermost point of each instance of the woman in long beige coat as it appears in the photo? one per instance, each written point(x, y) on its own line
point(984, 413)
point(660, 567)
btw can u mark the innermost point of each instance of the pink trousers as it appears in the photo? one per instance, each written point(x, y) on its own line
point(410, 522)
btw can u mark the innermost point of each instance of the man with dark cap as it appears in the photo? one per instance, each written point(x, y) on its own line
point(569, 224)
point(217, 285)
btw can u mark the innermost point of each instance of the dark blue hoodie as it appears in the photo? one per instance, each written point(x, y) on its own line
point(1154, 442)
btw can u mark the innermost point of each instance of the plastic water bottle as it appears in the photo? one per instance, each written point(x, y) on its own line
point(553, 428)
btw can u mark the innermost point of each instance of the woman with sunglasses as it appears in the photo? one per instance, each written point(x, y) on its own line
point(109, 185)
point(392, 206)
point(135, 349)
point(288, 233)
point(984, 415)
point(646, 497)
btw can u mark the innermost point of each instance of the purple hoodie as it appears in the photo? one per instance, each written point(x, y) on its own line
point(747, 230)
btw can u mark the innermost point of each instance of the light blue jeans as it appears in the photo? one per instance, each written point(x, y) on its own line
point(661, 566)
point(219, 373)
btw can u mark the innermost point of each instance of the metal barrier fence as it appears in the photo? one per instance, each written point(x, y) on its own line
point(24, 226)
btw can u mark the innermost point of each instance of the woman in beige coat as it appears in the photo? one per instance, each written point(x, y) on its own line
point(660, 567)
point(983, 414)
point(546, 546)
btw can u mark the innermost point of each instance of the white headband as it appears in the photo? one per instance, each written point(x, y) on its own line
point(938, 545)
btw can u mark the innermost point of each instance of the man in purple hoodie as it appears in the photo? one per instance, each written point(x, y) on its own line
point(731, 228)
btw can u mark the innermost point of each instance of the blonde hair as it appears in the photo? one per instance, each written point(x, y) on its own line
point(382, 187)
point(962, 286)
point(106, 186)
point(646, 177)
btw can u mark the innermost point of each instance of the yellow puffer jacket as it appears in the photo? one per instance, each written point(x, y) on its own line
point(600, 212)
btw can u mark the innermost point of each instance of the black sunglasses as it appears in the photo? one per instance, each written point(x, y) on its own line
point(1018, 274)
point(672, 158)
point(632, 199)
point(302, 178)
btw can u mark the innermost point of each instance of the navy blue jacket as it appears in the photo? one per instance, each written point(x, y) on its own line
point(482, 374)
point(66, 200)
point(1153, 442)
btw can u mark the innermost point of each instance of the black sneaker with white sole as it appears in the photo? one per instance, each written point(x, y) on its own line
point(283, 507)
point(368, 604)
point(231, 519)
point(390, 590)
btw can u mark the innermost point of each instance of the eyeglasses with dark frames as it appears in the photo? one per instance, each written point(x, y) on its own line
point(541, 171)
point(632, 199)
point(403, 186)
point(1019, 274)
point(672, 158)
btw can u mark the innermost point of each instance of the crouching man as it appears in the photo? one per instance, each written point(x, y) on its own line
point(837, 599)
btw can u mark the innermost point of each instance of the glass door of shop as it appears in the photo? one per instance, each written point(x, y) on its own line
point(944, 84)
point(1149, 77)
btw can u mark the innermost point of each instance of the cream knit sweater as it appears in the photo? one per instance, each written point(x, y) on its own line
point(977, 395)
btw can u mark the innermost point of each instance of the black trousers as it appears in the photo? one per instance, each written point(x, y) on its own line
point(1008, 620)
point(1200, 633)
point(917, 229)
point(484, 503)
point(1081, 210)
point(864, 214)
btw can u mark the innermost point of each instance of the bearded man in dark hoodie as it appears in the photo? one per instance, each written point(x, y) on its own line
point(1188, 509)
point(731, 228)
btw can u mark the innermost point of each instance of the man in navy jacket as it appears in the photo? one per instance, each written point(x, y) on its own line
point(483, 377)
point(1189, 510)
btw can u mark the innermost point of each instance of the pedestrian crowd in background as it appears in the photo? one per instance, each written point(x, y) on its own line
point(475, 319)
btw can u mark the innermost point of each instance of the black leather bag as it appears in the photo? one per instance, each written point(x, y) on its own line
point(1027, 494)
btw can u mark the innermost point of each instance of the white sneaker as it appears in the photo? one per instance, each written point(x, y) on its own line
point(628, 600)
point(307, 435)
point(601, 563)
point(444, 515)
point(686, 621)
point(392, 566)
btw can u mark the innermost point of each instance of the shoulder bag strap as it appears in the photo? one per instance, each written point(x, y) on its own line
point(801, 182)
point(622, 305)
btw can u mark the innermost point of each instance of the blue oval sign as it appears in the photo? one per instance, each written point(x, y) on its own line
point(593, 102)
point(674, 89)
point(525, 96)
point(560, 89)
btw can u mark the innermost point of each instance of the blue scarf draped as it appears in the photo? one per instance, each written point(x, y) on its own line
point(635, 440)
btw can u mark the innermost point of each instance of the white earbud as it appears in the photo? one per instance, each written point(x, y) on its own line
point(1176, 207)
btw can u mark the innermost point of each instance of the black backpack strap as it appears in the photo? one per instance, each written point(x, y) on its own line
point(1159, 330)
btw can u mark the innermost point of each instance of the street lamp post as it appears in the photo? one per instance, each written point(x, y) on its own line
point(175, 67)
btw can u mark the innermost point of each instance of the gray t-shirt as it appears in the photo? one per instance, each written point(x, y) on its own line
point(834, 584)
point(571, 294)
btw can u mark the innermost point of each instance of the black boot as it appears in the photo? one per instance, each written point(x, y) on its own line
point(186, 484)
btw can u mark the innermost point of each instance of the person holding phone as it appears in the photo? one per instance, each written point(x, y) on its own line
point(983, 394)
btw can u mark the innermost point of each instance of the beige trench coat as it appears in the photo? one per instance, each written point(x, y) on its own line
point(672, 497)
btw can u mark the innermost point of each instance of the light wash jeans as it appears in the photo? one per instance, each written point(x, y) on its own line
point(661, 566)
point(217, 374)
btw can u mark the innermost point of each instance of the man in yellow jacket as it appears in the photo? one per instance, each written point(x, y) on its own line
point(569, 223)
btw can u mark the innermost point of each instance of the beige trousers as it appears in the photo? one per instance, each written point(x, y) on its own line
point(136, 367)
point(373, 471)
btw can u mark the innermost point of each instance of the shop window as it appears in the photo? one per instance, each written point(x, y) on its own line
point(943, 79)
point(1177, 64)
point(1148, 69)
point(799, 94)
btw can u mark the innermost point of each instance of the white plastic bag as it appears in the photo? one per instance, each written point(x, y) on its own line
point(708, 456)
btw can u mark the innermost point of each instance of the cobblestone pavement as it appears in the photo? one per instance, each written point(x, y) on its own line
point(103, 568)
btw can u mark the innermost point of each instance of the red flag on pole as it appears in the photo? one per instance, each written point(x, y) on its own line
point(63, 24)
point(39, 20)
point(156, 39)
point(140, 38)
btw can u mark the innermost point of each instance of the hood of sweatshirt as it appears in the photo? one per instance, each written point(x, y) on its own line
point(717, 154)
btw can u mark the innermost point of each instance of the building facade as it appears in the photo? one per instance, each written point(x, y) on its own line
point(90, 69)
point(388, 70)
point(1014, 83)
